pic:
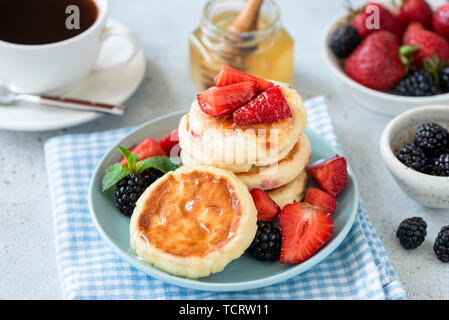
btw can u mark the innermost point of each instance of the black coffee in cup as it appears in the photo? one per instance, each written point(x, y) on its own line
point(34, 22)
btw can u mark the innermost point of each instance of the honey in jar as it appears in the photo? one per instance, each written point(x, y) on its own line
point(267, 51)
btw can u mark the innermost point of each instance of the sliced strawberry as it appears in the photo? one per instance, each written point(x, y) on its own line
point(169, 141)
point(304, 231)
point(268, 107)
point(146, 149)
point(331, 175)
point(228, 75)
point(267, 209)
point(225, 100)
point(320, 199)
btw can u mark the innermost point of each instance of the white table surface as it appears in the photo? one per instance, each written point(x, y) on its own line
point(27, 254)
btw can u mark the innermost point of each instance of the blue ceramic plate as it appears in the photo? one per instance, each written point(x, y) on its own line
point(243, 273)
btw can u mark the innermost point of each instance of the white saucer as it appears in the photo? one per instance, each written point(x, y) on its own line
point(112, 86)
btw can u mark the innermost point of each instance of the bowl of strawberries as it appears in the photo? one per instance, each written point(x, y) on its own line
point(392, 57)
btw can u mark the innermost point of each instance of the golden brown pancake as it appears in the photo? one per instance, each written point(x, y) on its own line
point(285, 171)
point(193, 221)
point(192, 154)
point(275, 175)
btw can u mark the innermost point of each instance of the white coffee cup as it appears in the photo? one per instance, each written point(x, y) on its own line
point(53, 67)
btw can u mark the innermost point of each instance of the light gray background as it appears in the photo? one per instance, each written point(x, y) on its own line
point(27, 253)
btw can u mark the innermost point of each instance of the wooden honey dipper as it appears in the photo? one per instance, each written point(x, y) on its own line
point(231, 55)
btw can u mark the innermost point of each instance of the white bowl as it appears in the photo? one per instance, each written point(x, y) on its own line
point(430, 191)
point(377, 101)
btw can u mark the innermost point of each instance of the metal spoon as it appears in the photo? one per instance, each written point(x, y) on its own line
point(9, 97)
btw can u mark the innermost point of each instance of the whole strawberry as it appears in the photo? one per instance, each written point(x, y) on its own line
point(429, 44)
point(375, 62)
point(415, 11)
point(440, 21)
point(364, 20)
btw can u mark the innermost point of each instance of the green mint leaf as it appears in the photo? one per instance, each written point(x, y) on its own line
point(131, 158)
point(163, 164)
point(114, 173)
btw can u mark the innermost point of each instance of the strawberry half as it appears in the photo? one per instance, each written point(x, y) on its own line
point(331, 175)
point(267, 209)
point(146, 149)
point(268, 107)
point(169, 141)
point(320, 199)
point(228, 75)
point(304, 231)
point(225, 100)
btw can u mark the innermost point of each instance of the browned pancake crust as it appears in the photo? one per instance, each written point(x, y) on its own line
point(191, 218)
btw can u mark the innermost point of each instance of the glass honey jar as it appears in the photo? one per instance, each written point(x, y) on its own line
point(266, 52)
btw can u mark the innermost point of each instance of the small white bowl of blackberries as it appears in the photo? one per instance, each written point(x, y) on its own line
point(428, 153)
point(401, 64)
point(415, 149)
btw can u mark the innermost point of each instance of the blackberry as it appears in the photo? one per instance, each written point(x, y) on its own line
point(432, 138)
point(344, 40)
point(441, 167)
point(411, 232)
point(431, 169)
point(444, 79)
point(417, 84)
point(441, 245)
point(414, 157)
point(130, 188)
point(266, 245)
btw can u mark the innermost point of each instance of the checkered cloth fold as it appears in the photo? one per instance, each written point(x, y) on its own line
point(89, 269)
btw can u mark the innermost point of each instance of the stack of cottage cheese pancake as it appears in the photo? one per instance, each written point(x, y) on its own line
point(238, 138)
point(271, 157)
point(241, 185)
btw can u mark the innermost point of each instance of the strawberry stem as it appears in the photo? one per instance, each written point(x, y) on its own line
point(406, 56)
point(397, 3)
point(433, 65)
point(351, 11)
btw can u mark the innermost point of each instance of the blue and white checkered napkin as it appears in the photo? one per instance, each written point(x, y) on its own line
point(89, 269)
